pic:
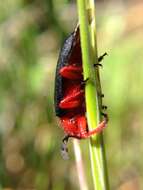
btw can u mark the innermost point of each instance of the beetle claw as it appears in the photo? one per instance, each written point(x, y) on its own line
point(83, 83)
point(98, 64)
point(102, 95)
point(105, 115)
point(101, 57)
point(104, 107)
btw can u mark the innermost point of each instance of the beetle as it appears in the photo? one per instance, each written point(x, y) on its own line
point(69, 91)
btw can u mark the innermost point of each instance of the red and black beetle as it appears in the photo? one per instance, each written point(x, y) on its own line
point(69, 91)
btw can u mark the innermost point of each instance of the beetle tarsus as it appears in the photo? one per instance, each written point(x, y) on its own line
point(98, 64)
point(83, 83)
point(102, 95)
point(105, 115)
point(101, 57)
point(104, 107)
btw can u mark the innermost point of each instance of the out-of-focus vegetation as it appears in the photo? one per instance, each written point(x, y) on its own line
point(31, 33)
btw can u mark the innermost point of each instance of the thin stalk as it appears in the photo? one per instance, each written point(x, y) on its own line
point(80, 165)
point(86, 11)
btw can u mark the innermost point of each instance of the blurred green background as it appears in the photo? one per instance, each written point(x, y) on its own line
point(31, 34)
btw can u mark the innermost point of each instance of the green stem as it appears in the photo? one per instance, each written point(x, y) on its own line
point(86, 11)
point(80, 165)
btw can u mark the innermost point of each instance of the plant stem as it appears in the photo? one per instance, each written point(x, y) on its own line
point(86, 11)
point(79, 165)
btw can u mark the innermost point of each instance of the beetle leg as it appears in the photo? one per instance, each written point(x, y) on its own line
point(98, 129)
point(98, 64)
point(67, 105)
point(69, 124)
point(83, 83)
point(104, 107)
point(82, 128)
point(71, 72)
point(105, 115)
point(78, 128)
point(101, 57)
point(102, 95)
point(72, 101)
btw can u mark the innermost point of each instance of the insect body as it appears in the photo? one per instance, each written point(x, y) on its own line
point(69, 91)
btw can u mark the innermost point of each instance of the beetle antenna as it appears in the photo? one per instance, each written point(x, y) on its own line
point(64, 148)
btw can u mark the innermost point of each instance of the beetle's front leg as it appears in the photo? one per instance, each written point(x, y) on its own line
point(100, 59)
point(97, 130)
point(82, 128)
